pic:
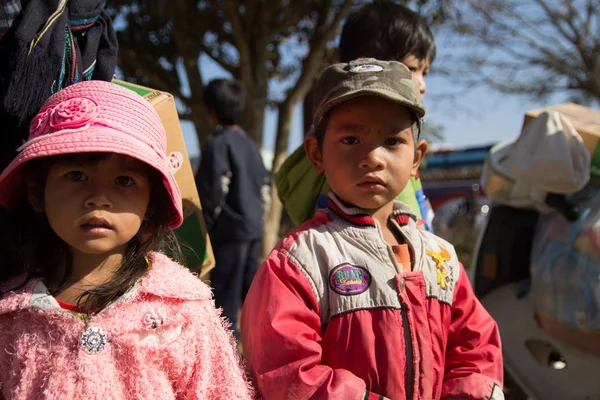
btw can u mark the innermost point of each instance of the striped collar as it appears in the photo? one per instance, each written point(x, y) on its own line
point(402, 214)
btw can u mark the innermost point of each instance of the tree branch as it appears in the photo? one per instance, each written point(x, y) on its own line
point(310, 67)
point(290, 19)
point(227, 66)
point(574, 21)
point(251, 13)
point(239, 39)
point(588, 18)
point(267, 12)
point(505, 31)
point(534, 27)
point(318, 45)
point(555, 20)
point(157, 77)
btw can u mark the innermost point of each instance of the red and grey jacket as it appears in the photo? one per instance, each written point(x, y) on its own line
point(331, 315)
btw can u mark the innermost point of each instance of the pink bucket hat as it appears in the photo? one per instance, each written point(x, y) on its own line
point(91, 117)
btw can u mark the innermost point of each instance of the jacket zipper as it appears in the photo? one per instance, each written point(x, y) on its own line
point(410, 373)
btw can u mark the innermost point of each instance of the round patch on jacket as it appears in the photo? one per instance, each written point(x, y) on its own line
point(347, 279)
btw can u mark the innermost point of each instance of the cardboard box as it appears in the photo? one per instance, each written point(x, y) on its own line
point(196, 247)
point(587, 123)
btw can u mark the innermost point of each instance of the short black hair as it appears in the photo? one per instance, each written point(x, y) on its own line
point(227, 99)
point(387, 31)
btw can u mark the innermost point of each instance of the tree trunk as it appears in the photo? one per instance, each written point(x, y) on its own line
point(256, 83)
point(310, 68)
point(189, 56)
point(273, 222)
point(203, 129)
point(256, 104)
point(197, 110)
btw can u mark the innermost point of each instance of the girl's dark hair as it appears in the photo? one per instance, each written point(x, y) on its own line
point(387, 31)
point(30, 246)
point(227, 99)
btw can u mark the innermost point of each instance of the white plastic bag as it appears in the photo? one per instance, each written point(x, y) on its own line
point(550, 155)
point(503, 188)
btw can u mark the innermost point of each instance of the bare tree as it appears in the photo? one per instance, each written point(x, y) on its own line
point(325, 28)
point(158, 47)
point(535, 48)
point(161, 43)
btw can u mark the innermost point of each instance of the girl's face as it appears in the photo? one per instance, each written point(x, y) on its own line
point(97, 208)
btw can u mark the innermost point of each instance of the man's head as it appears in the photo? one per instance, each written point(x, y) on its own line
point(225, 100)
point(367, 118)
point(389, 31)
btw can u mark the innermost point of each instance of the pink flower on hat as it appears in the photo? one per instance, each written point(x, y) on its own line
point(39, 123)
point(74, 113)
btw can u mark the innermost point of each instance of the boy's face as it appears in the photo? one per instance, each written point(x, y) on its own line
point(368, 152)
point(419, 69)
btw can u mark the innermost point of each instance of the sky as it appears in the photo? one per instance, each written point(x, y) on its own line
point(475, 117)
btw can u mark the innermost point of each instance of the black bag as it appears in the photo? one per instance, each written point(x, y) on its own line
point(504, 254)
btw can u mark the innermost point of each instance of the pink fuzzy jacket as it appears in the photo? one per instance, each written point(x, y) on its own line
point(163, 339)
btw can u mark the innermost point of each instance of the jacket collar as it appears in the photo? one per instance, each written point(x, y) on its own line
point(165, 279)
point(402, 217)
point(402, 213)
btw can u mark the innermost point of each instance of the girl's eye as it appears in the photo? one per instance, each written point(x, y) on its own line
point(125, 181)
point(75, 176)
point(393, 141)
point(349, 140)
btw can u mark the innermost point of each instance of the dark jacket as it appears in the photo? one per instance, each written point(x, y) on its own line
point(234, 186)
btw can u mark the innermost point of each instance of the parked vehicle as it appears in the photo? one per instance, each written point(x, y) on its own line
point(539, 363)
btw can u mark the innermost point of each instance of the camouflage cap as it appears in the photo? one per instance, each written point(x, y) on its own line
point(391, 80)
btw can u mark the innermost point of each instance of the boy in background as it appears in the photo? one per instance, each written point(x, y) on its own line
point(233, 185)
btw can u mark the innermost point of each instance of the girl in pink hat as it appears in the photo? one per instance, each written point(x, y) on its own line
point(89, 306)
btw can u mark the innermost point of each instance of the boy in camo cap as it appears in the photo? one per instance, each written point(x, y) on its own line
point(359, 303)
